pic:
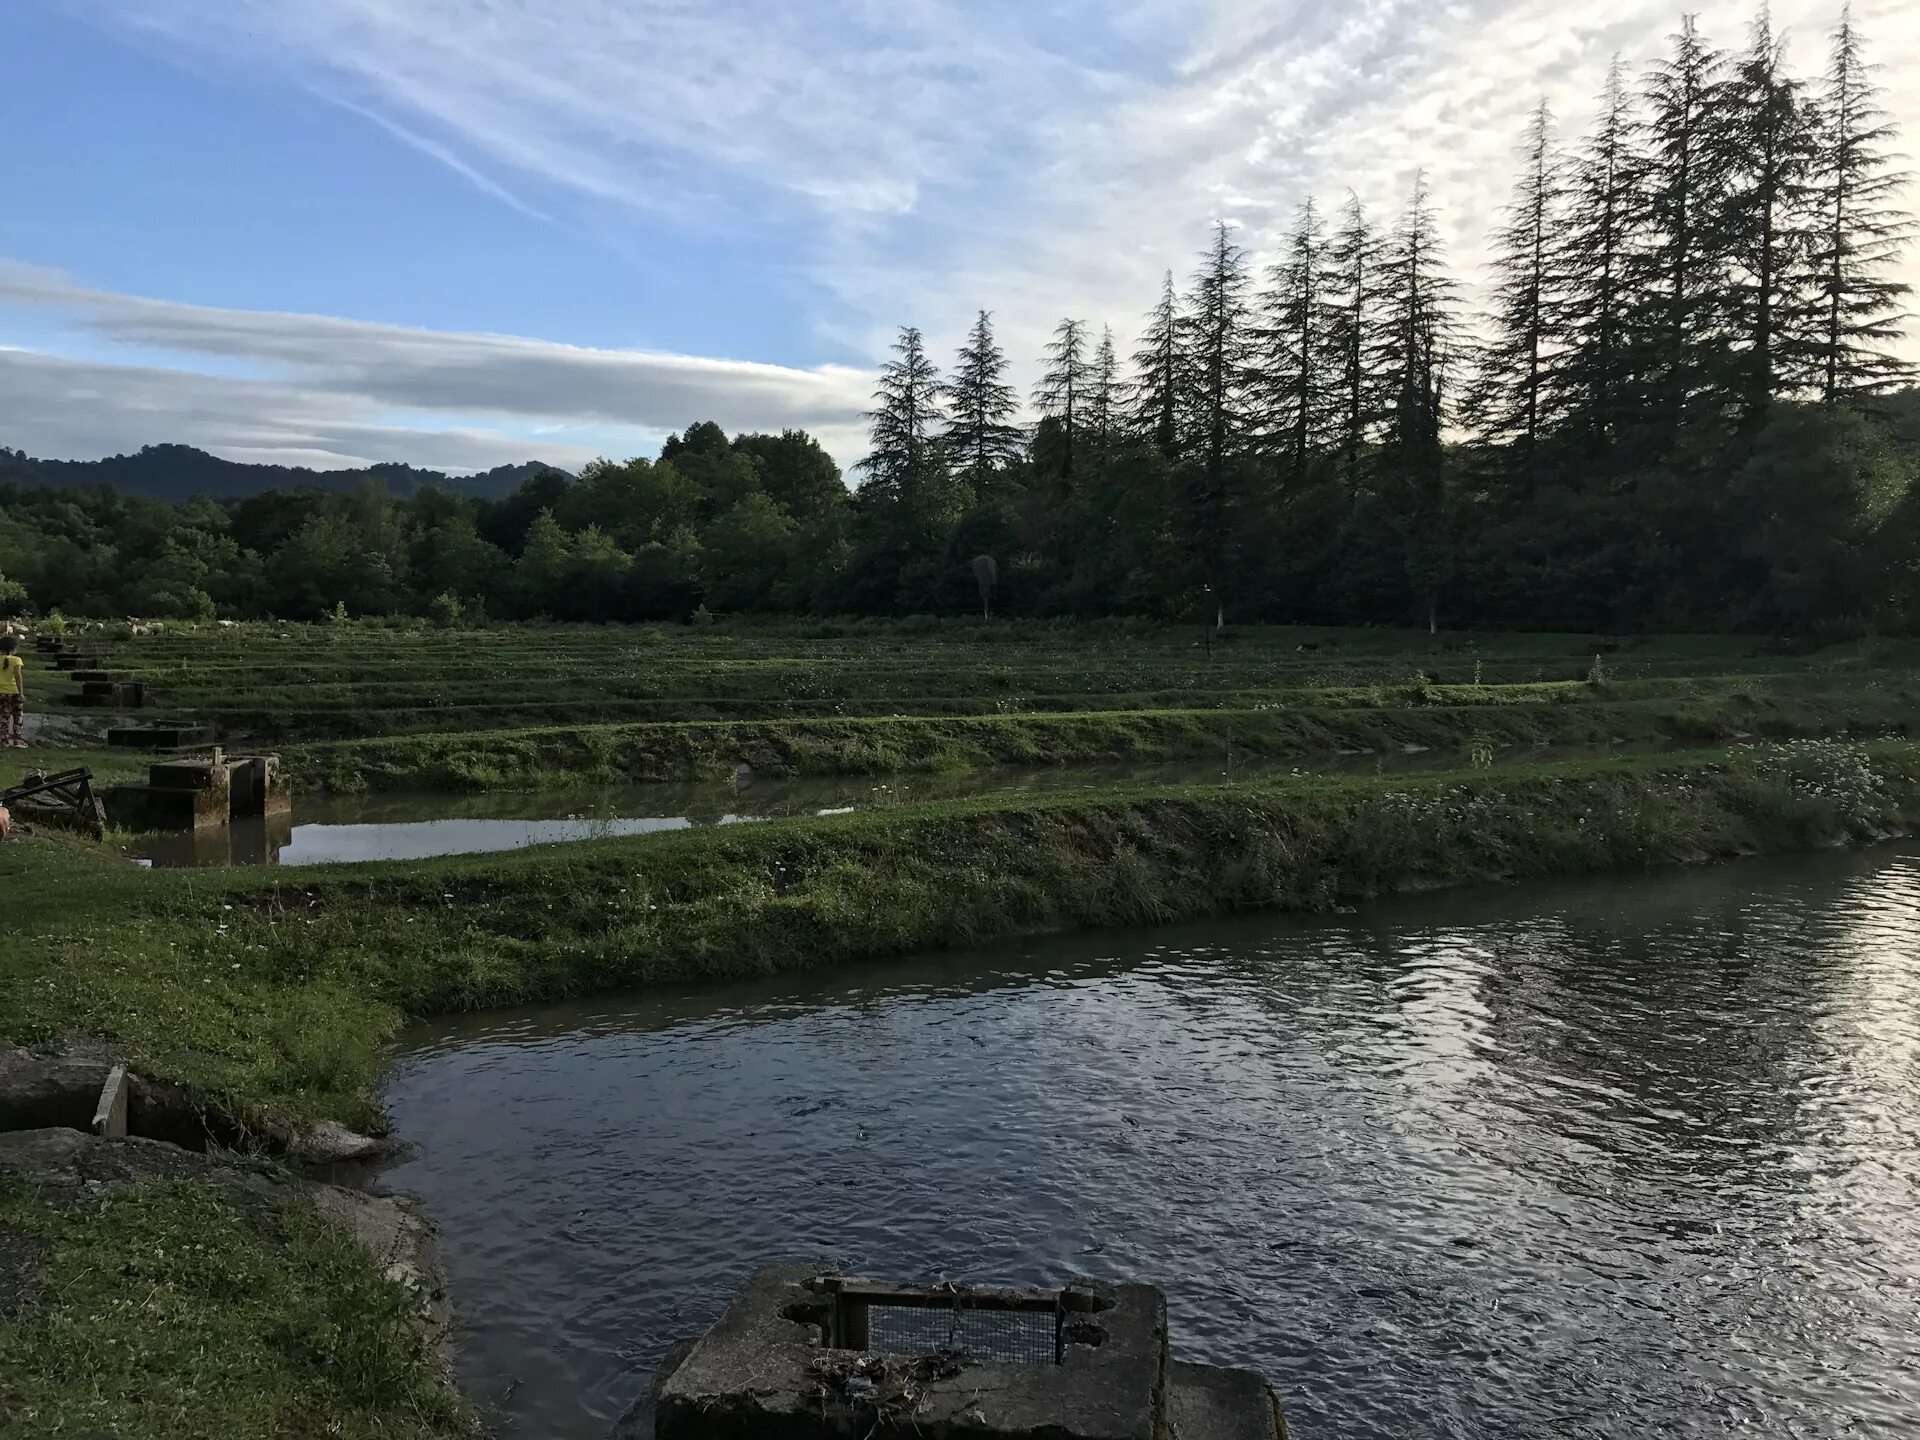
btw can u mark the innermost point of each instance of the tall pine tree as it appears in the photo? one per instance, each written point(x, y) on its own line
point(1769, 159)
point(1515, 390)
point(1858, 233)
point(1105, 399)
point(1217, 339)
point(1355, 333)
point(1160, 374)
point(981, 438)
point(1292, 384)
point(1606, 227)
point(1421, 307)
point(1683, 268)
point(901, 426)
point(1064, 385)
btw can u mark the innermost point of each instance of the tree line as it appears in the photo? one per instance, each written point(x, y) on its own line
point(1680, 407)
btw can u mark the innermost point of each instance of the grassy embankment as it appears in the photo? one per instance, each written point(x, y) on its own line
point(273, 991)
point(1299, 726)
point(357, 709)
point(160, 1314)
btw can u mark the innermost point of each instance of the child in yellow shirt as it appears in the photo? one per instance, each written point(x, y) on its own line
point(13, 695)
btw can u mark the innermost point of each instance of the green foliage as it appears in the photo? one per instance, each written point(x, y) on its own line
point(444, 610)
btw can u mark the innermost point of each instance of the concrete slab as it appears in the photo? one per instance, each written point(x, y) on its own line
point(1205, 1402)
point(772, 1369)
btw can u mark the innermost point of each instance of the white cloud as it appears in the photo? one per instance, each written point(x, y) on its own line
point(347, 387)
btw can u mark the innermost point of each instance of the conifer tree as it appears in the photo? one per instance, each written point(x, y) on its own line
point(1522, 348)
point(1293, 385)
point(1352, 340)
point(1105, 400)
point(1217, 326)
point(1769, 144)
point(1683, 269)
point(1421, 307)
point(1606, 226)
point(1217, 343)
point(980, 437)
point(1160, 369)
point(1858, 232)
point(900, 427)
point(1065, 385)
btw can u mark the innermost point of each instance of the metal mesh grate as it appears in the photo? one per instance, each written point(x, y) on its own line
point(1019, 1337)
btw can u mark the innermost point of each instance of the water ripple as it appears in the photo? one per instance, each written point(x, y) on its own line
point(1630, 1157)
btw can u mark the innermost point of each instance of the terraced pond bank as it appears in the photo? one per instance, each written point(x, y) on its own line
point(275, 994)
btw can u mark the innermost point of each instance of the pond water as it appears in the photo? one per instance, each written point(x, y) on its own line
point(330, 829)
point(1625, 1157)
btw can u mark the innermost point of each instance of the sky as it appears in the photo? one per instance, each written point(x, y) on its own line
point(461, 233)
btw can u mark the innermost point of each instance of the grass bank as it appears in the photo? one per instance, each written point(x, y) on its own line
point(274, 991)
point(1440, 720)
point(174, 1310)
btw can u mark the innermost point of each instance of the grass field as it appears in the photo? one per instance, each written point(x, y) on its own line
point(272, 993)
point(365, 706)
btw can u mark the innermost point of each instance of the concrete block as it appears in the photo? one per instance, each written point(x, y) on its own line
point(153, 807)
point(259, 786)
point(190, 775)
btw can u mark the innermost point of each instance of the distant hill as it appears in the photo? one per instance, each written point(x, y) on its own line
point(178, 472)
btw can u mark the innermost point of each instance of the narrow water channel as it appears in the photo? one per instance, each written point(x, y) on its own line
point(1626, 1157)
point(333, 829)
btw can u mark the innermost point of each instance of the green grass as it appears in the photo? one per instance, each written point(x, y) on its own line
point(501, 759)
point(274, 991)
point(178, 1311)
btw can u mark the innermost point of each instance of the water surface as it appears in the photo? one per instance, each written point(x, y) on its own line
point(331, 829)
point(1629, 1157)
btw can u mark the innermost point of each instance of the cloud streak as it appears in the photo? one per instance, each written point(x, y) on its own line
point(321, 383)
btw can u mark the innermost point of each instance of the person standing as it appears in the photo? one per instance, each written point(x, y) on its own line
point(13, 695)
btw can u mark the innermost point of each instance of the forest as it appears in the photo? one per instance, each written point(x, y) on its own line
point(1680, 406)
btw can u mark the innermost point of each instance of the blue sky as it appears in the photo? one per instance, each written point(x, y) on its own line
point(459, 232)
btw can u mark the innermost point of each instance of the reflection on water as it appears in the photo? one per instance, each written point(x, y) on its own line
point(1629, 1157)
point(330, 829)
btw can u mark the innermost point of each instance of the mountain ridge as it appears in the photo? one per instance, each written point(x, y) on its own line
point(179, 472)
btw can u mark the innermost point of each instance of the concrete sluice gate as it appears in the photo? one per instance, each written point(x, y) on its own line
point(806, 1354)
point(206, 794)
